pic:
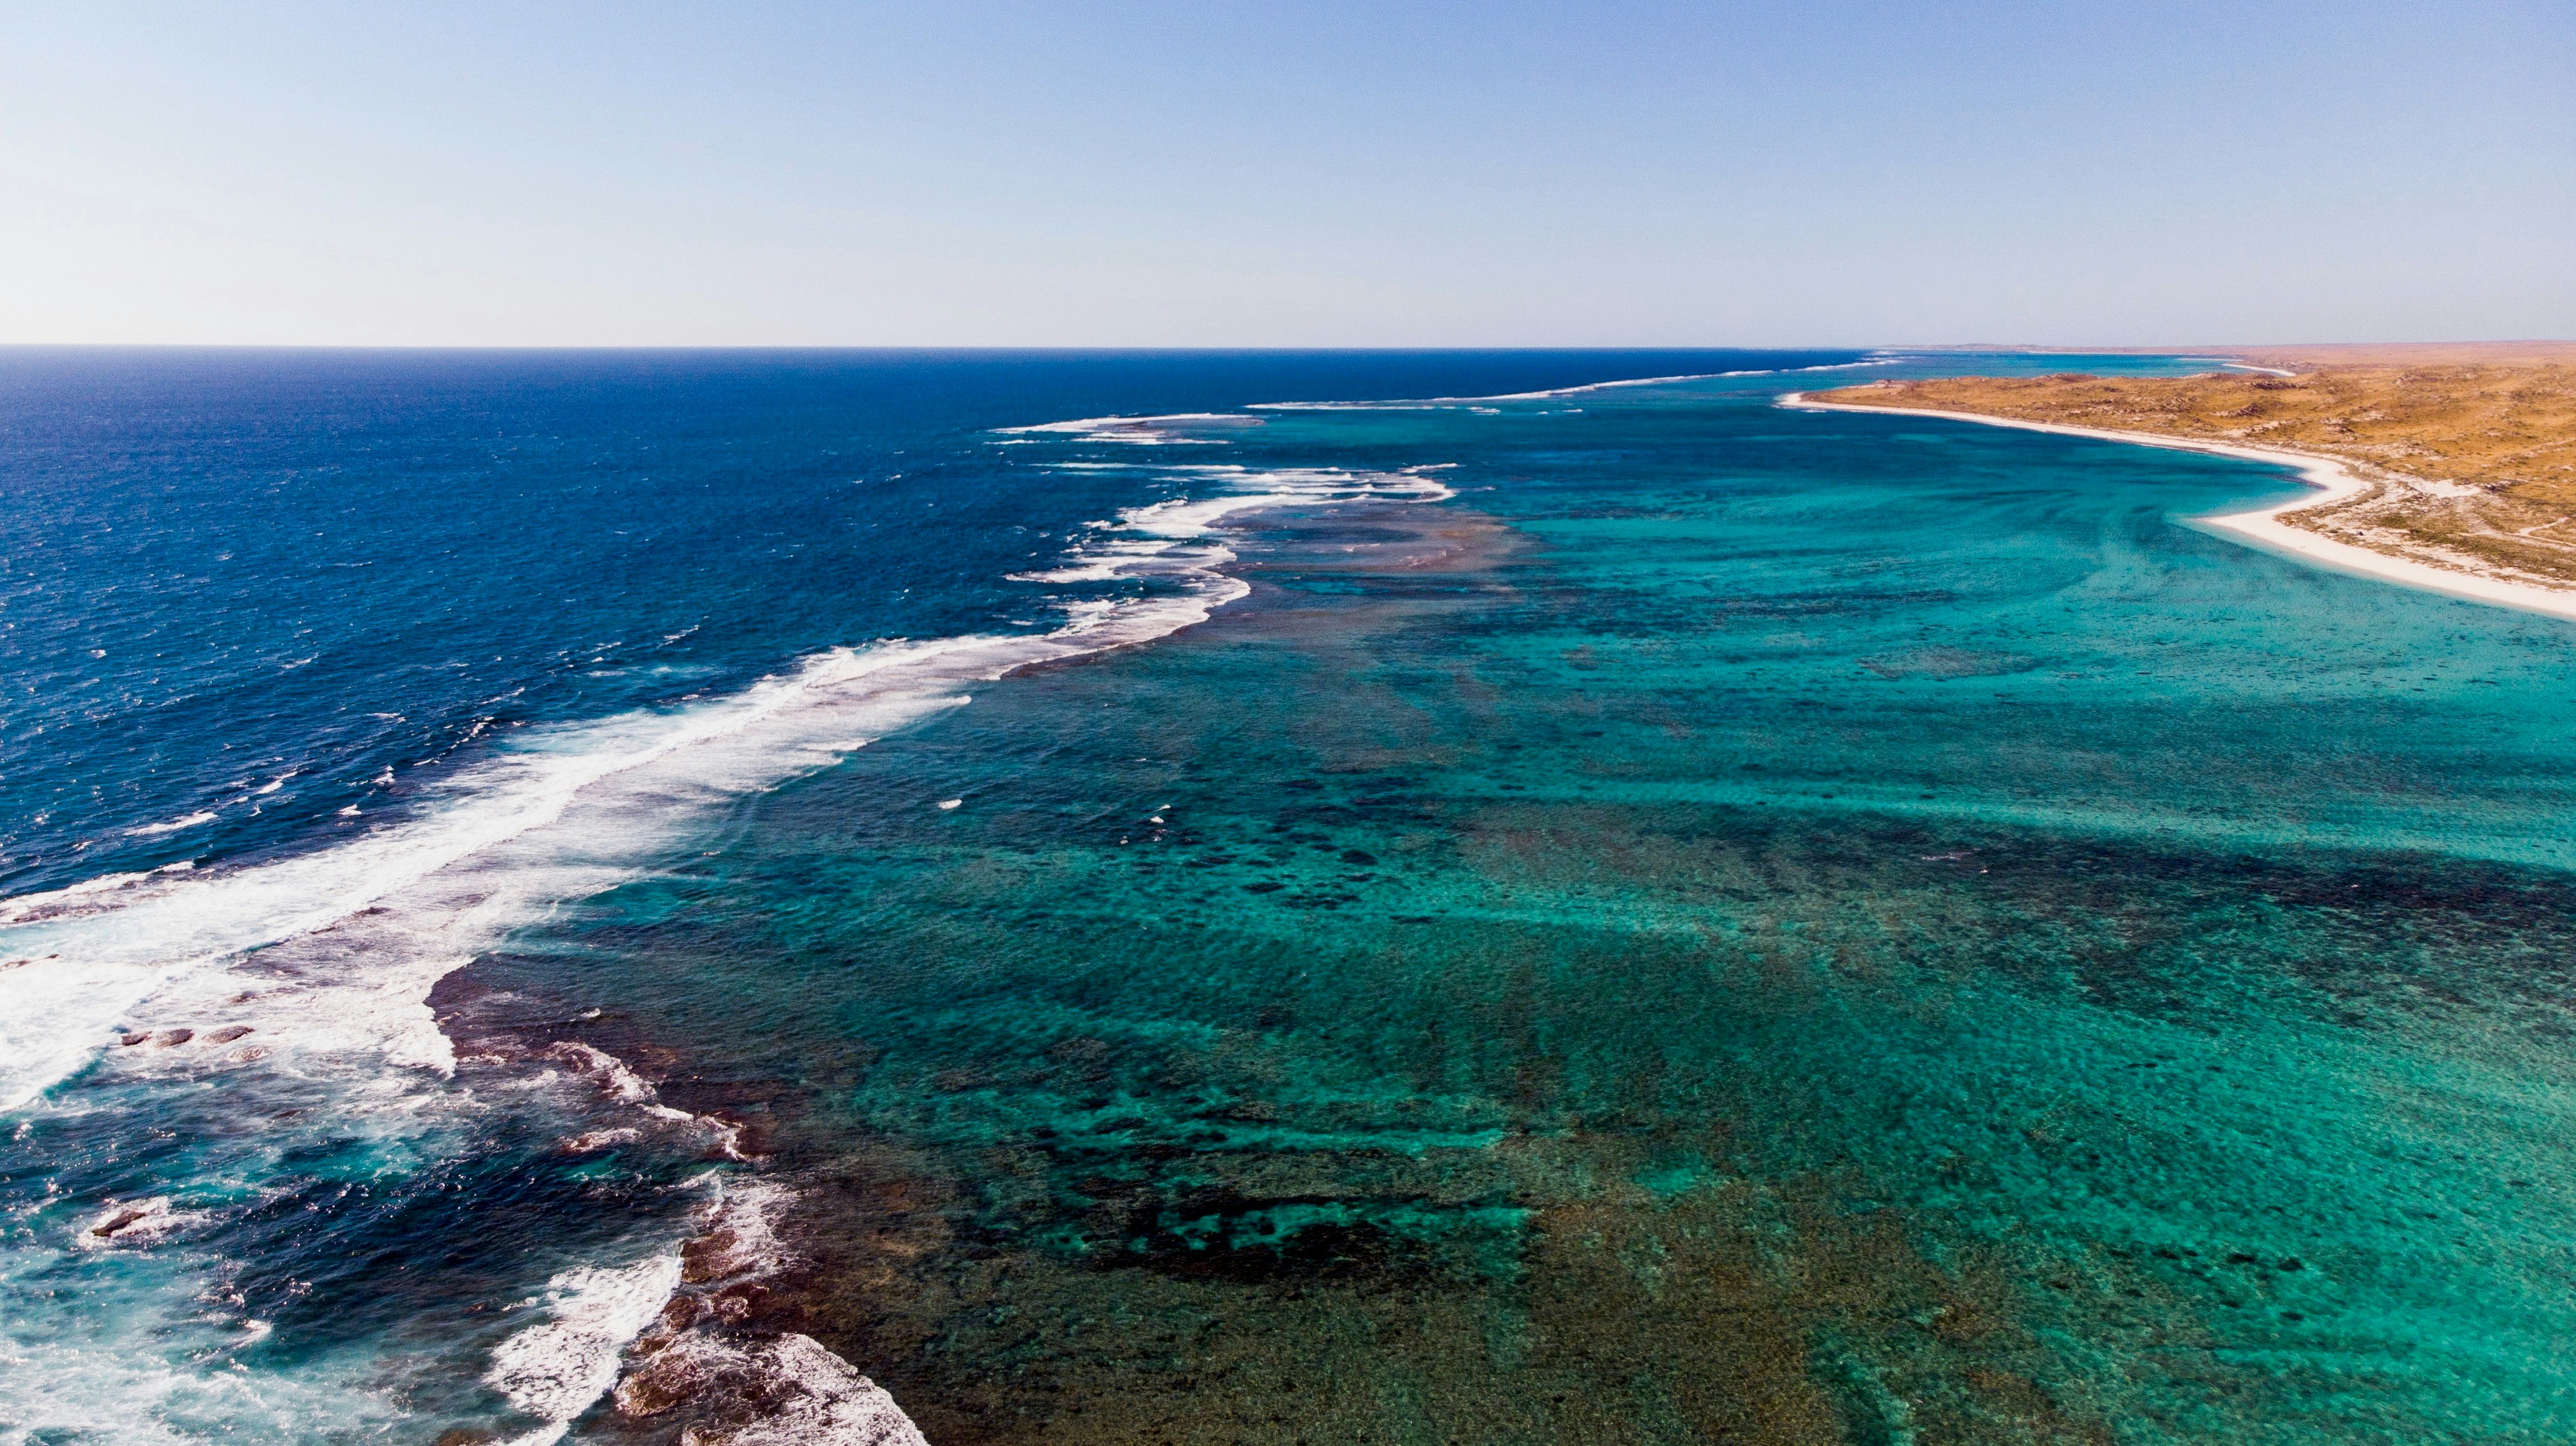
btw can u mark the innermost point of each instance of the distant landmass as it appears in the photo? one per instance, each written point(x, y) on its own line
point(2461, 456)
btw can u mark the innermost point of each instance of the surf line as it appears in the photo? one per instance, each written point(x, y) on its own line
point(521, 831)
point(1426, 404)
point(2262, 527)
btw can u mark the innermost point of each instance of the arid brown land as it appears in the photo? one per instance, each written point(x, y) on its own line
point(2474, 461)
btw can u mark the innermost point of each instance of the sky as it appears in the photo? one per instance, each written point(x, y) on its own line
point(1319, 174)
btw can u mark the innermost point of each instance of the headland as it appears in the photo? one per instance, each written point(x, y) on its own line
point(2451, 467)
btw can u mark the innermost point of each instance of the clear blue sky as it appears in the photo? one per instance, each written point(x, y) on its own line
point(1317, 174)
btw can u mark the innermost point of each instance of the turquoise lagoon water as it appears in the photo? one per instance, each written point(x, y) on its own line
point(1656, 918)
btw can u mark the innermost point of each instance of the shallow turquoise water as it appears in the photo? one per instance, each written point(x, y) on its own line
point(1796, 927)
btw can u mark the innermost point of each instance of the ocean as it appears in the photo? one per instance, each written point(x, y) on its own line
point(1191, 897)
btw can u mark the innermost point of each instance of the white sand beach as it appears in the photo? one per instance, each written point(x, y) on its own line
point(2263, 528)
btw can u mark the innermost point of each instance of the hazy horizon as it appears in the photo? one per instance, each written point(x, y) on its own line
point(1346, 177)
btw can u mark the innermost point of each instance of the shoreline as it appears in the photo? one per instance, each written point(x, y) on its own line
point(2332, 477)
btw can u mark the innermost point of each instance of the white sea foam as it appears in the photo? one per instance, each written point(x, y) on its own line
point(739, 1240)
point(807, 1396)
point(559, 1368)
point(52, 1391)
point(367, 926)
point(787, 1390)
point(612, 1082)
point(556, 1370)
point(29, 906)
point(145, 1350)
point(1172, 535)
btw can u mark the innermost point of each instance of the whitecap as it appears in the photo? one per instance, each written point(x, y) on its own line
point(201, 816)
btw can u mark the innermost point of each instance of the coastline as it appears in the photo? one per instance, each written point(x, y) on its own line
point(2335, 482)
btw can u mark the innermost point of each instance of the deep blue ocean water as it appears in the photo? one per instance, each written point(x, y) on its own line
point(1245, 897)
point(225, 568)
